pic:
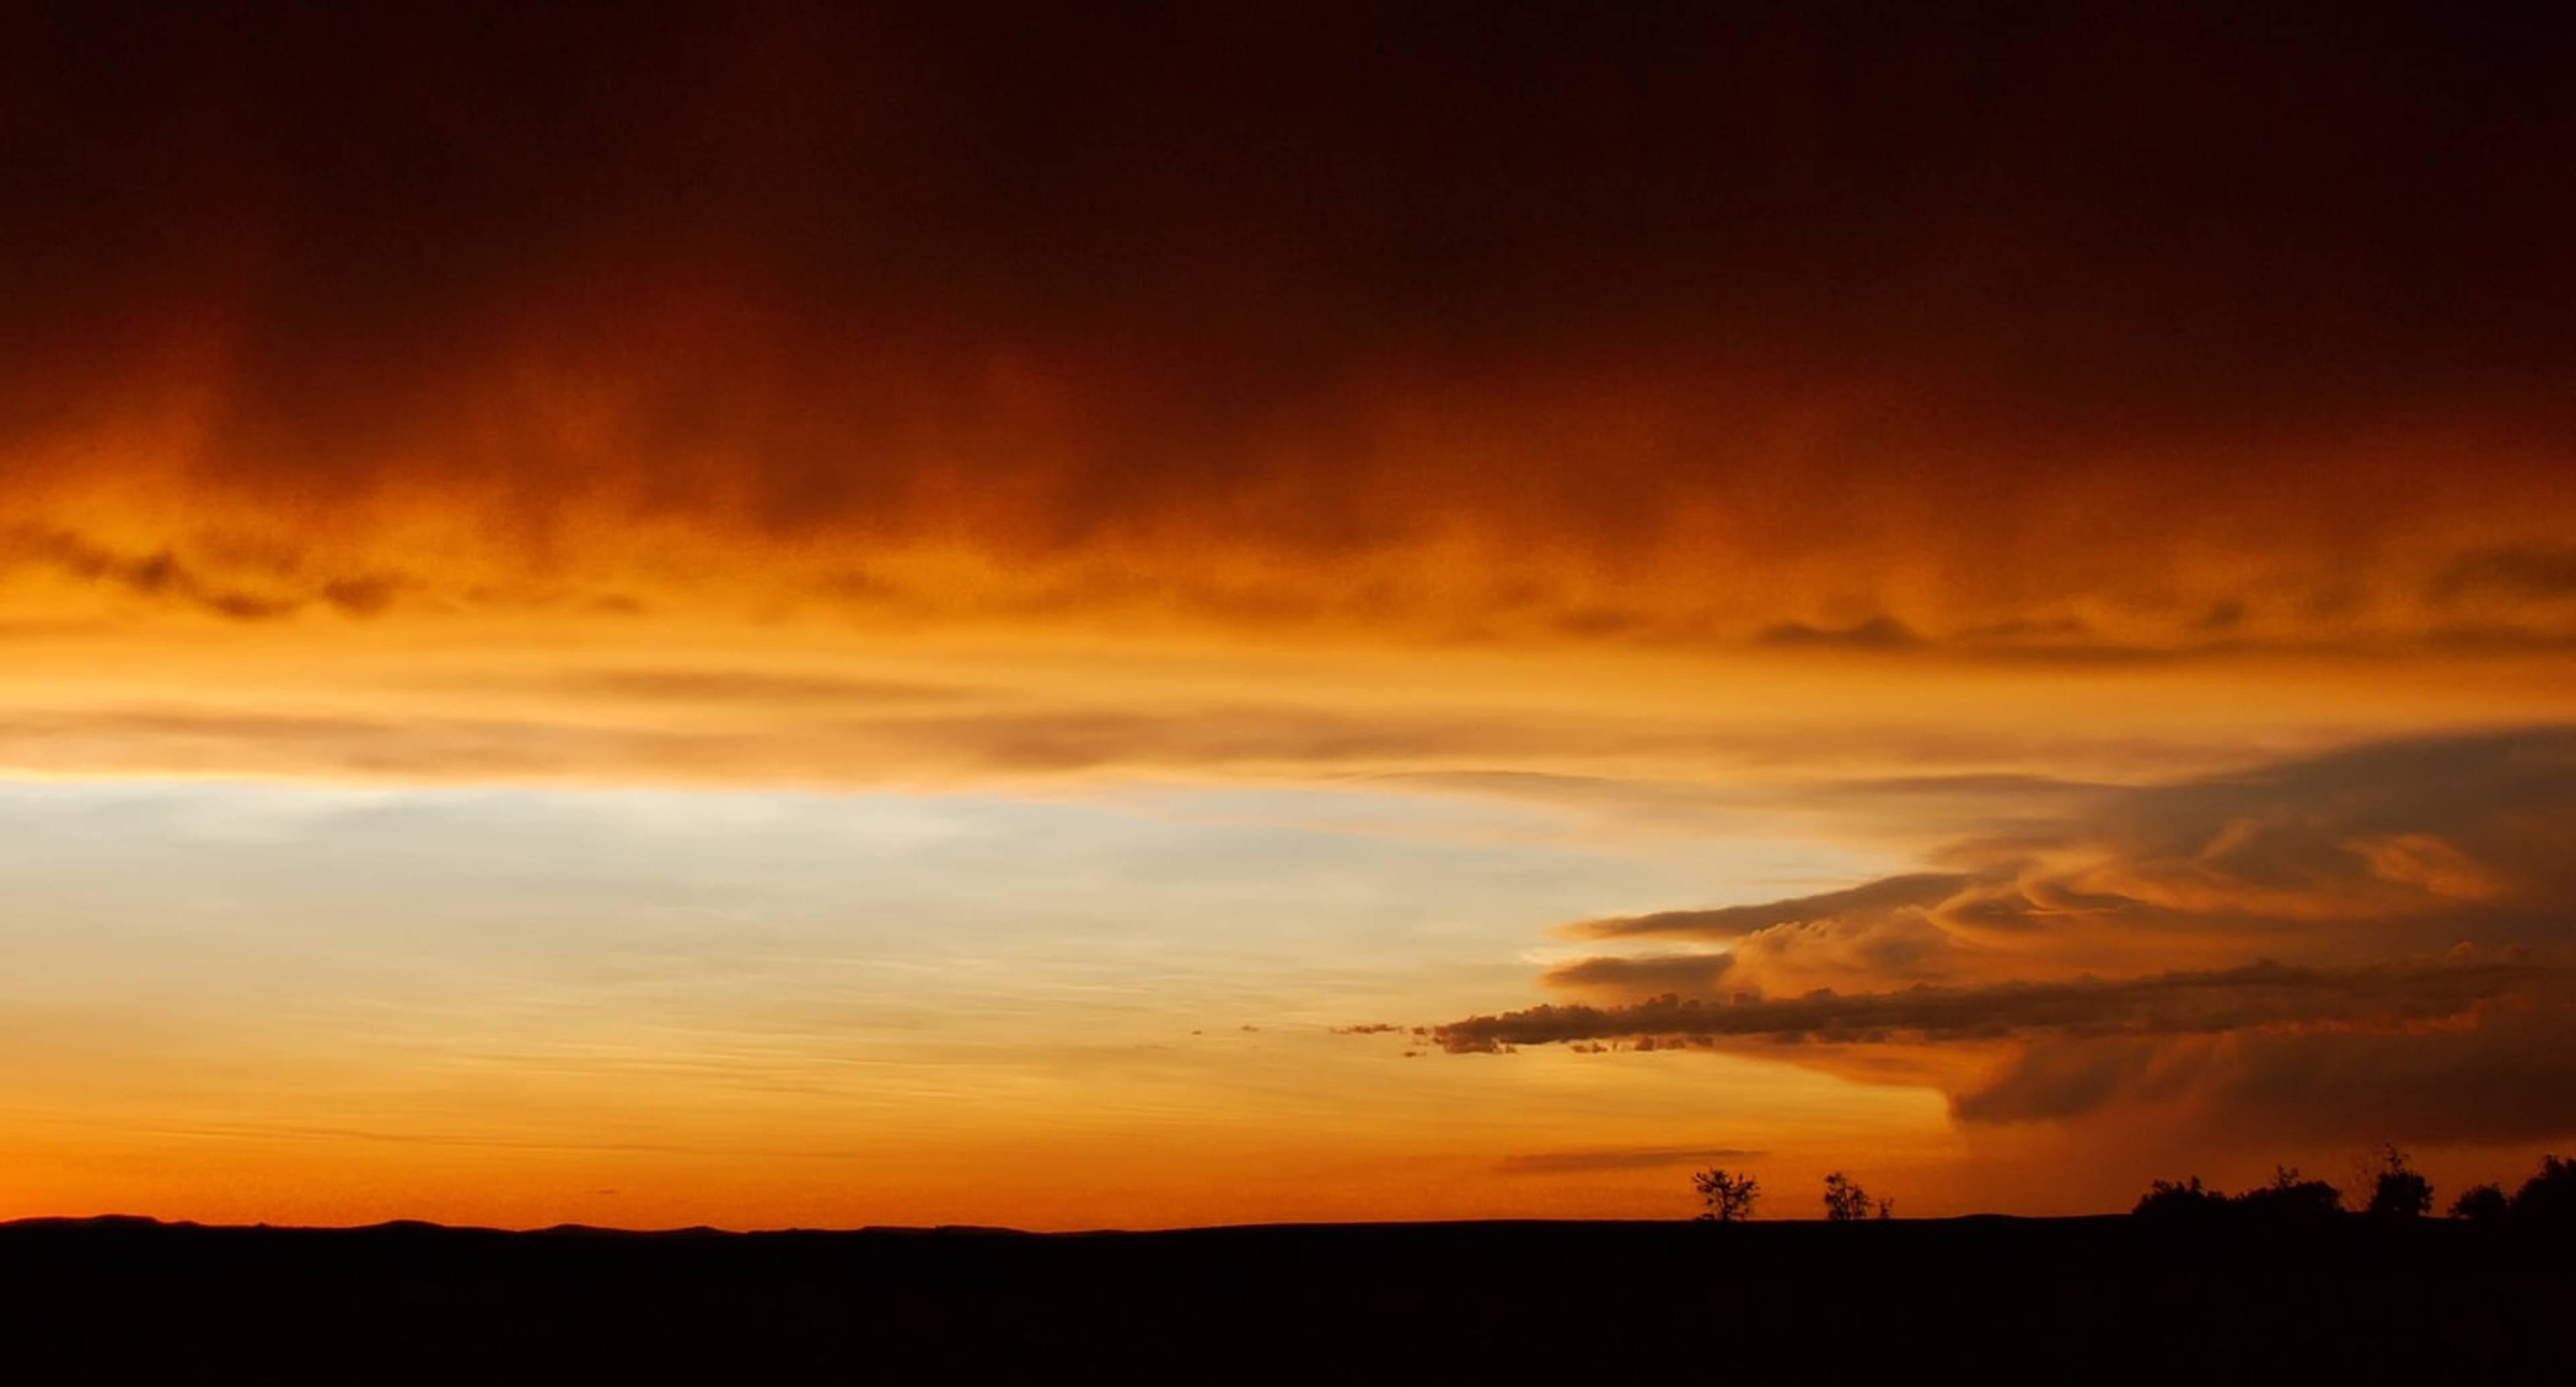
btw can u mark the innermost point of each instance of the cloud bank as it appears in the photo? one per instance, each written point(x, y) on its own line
point(2375, 940)
point(1564, 328)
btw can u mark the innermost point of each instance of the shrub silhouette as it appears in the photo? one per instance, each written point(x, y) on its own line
point(2174, 1199)
point(2290, 1198)
point(2287, 1198)
point(1729, 1197)
point(2481, 1203)
point(2550, 1196)
point(2396, 1189)
point(1845, 1200)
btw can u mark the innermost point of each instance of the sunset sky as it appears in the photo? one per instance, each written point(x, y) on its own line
point(1085, 616)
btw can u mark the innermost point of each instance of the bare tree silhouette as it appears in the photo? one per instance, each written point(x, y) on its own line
point(1845, 1200)
point(1729, 1197)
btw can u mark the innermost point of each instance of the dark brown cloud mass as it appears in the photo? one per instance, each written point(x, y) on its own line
point(2511, 1077)
point(1684, 322)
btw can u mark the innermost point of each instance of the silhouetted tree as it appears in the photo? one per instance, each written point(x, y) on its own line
point(1845, 1200)
point(2549, 1196)
point(2482, 1203)
point(2180, 1199)
point(2289, 1197)
point(1887, 1208)
point(1729, 1197)
point(2396, 1189)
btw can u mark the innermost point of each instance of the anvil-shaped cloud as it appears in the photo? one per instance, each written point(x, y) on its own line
point(2421, 888)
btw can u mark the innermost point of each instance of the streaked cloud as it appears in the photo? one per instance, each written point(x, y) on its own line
point(2256, 995)
point(1915, 890)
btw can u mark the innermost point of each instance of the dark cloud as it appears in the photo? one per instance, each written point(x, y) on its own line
point(2036, 629)
point(2019, 789)
point(1849, 304)
point(2256, 995)
point(365, 596)
point(2509, 1078)
point(1621, 1158)
point(1877, 633)
point(2225, 616)
point(2494, 639)
point(156, 576)
point(2544, 574)
point(728, 687)
point(277, 588)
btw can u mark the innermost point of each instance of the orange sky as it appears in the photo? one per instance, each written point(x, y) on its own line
point(796, 616)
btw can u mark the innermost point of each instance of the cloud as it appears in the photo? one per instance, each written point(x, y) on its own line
point(2257, 995)
point(1469, 384)
point(2416, 893)
point(2510, 1077)
point(2426, 840)
point(2402, 847)
point(802, 737)
point(708, 686)
point(1690, 975)
point(1874, 933)
point(446, 712)
point(160, 576)
point(1620, 1158)
point(1876, 633)
point(2535, 572)
point(1736, 921)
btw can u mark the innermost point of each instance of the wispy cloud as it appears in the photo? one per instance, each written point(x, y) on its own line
point(1617, 1158)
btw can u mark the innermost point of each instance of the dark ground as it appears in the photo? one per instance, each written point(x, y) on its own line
point(1784, 1301)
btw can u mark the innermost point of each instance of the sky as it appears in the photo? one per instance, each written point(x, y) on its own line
point(1103, 616)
